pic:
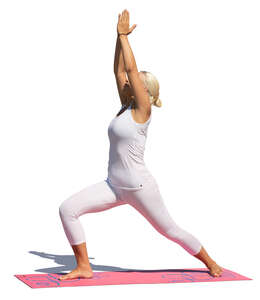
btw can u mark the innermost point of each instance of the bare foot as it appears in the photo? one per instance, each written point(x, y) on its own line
point(214, 269)
point(82, 271)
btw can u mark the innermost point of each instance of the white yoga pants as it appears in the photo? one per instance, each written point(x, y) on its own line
point(145, 199)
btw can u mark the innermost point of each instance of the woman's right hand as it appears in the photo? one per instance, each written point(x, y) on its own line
point(123, 23)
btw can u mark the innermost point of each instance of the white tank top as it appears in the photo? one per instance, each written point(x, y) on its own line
point(126, 166)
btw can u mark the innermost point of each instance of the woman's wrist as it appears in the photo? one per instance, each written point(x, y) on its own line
point(122, 37)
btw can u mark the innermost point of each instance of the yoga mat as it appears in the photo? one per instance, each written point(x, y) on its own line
point(129, 277)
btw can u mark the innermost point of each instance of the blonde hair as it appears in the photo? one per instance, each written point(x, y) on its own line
point(153, 86)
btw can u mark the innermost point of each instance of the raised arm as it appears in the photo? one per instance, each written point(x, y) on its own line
point(141, 95)
point(119, 70)
point(119, 66)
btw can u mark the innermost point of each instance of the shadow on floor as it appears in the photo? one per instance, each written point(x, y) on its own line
point(68, 263)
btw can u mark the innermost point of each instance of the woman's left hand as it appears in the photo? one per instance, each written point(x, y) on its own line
point(123, 23)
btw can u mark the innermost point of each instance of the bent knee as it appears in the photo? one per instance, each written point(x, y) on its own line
point(65, 209)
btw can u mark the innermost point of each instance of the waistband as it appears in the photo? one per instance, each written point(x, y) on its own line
point(124, 187)
point(144, 182)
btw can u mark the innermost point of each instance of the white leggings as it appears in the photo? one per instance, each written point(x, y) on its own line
point(103, 195)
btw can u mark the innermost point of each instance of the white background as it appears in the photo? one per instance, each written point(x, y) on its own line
point(58, 95)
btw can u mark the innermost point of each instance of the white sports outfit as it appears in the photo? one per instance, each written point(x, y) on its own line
point(128, 182)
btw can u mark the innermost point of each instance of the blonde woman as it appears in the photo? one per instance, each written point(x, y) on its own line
point(129, 181)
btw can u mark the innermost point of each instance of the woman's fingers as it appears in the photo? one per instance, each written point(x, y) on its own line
point(122, 15)
point(132, 28)
point(125, 14)
point(123, 21)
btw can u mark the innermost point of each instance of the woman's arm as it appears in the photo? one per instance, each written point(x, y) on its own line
point(119, 66)
point(139, 91)
point(119, 70)
point(128, 55)
point(141, 96)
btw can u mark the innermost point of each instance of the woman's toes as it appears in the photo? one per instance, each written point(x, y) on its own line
point(215, 270)
point(73, 274)
point(77, 273)
point(63, 277)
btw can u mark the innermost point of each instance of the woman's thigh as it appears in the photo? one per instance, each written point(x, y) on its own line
point(149, 202)
point(93, 198)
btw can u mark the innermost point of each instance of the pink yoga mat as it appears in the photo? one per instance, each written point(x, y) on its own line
point(130, 277)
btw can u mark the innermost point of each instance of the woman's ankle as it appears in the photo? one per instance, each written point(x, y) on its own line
point(84, 265)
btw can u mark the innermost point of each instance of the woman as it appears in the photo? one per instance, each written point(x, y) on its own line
point(128, 181)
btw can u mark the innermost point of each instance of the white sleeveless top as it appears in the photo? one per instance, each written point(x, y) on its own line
point(126, 166)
